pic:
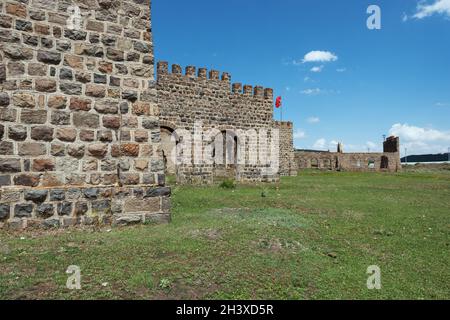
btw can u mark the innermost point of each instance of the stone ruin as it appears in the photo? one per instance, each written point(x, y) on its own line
point(386, 161)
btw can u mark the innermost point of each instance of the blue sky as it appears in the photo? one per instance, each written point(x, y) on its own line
point(339, 80)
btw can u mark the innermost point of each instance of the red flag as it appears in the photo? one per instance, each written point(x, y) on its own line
point(278, 102)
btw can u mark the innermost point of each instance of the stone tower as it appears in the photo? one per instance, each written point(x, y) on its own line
point(79, 126)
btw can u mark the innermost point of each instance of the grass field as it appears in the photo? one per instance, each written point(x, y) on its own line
point(312, 238)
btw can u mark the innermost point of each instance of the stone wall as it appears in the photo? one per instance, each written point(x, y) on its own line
point(389, 160)
point(287, 158)
point(208, 98)
point(79, 126)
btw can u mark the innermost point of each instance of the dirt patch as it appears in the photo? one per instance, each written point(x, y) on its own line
point(209, 234)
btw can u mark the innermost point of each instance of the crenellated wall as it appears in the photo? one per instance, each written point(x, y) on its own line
point(79, 126)
point(209, 98)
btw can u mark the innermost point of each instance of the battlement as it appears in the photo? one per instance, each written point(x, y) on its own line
point(284, 124)
point(193, 72)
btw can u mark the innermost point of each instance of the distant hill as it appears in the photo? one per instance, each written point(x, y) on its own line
point(441, 157)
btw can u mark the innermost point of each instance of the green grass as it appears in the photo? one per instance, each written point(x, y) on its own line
point(312, 237)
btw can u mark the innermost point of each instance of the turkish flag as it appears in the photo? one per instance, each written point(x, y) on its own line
point(278, 102)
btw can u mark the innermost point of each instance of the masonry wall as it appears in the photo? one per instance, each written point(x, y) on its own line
point(389, 160)
point(287, 158)
point(79, 126)
point(209, 98)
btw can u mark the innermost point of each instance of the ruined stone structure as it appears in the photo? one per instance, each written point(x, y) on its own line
point(79, 127)
point(288, 167)
point(389, 160)
point(197, 97)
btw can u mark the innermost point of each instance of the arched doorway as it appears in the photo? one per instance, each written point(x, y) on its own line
point(169, 142)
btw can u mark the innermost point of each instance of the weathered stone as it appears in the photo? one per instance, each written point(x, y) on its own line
point(72, 61)
point(57, 102)
point(105, 136)
point(81, 208)
point(16, 69)
point(101, 207)
point(37, 69)
point(18, 53)
point(49, 57)
point(107, 106)
point(30, 40)
point(33, 116)
point(86, 120)
point(83, 77)
point(100, 78)
point(4, 99)
point(105, 67)
point(51, 223)
point(93, 25)
point(89, 50)
point(9, 165)
point(32, 149)
point(66, 134)
point(2, 131)
point(75, 34)
point(65, 74)
point(129, 219)
point(6, 148)
point(23, 210)
point(42, 133)
point(78, 104)
point(28, 180)
point(130, 95)
point(111, 122)
point(18, 133)
point(45, 85)
point(23, 25)
point(97, 91)
point(76, 151)
point(58, 150)
point(87, 135)
point(64, 209)
point(57, 195)
point(115, 55)
point(60, 118)
point(98, 150)
point(24, 100)
point(158, 192)
point(42, 165)
point(71, 88)
point(45, 210)
point(4, 211)
point(37, 196)
point(141, 47)
point(42, 29)
point(91, 193)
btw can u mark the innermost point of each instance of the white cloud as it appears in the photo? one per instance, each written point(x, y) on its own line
point(341, 70)
point(313, 120)
point(299, 134)
point(421, 140)
point(311, 92)
point(320, 144)
point(319, 56)
point(427, 9)
point(371, 145)
point(317, 69)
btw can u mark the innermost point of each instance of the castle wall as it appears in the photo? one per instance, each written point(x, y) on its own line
point(368, 162)
point(210, 100)
point(287, 158)
point(79, 127)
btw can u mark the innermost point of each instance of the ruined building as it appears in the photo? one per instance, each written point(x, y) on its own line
point(388, 160)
